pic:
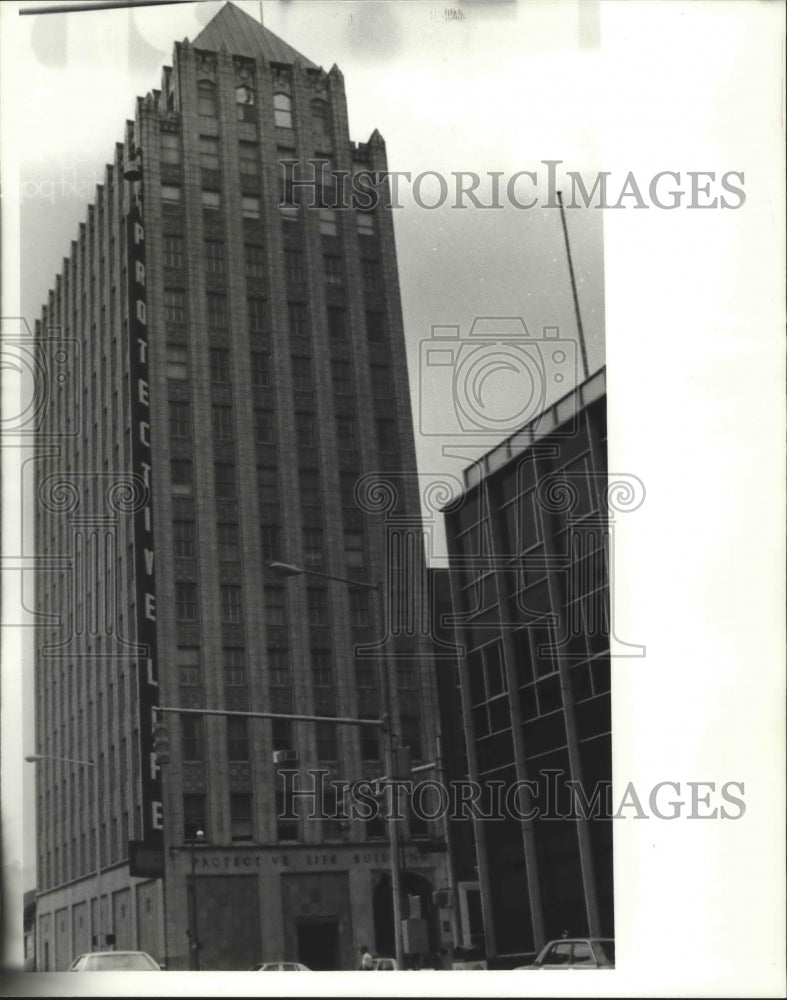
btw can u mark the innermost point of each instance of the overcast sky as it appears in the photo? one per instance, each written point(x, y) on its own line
point(689, 304)
point(475, 87)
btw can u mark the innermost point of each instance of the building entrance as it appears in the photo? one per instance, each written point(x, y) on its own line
point(318, 944)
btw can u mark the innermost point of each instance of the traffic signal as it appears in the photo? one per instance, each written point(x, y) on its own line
point(161, 747)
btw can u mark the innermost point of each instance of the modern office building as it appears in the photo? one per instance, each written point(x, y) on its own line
point(229, 390)
point(528, 547)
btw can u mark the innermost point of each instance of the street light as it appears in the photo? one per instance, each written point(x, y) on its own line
point(198, 838)
point(35, 758)
point(289, 569)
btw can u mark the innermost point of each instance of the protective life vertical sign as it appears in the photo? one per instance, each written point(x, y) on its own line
point(146, 857)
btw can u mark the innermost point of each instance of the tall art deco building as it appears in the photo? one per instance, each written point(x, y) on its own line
point(235, 394)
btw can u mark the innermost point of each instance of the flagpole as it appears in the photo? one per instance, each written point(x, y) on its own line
point(582, 347)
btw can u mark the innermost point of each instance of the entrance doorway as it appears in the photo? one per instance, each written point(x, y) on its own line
point(318, 943)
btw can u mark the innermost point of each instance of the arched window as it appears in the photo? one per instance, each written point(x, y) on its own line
point(282, 110)
point(244, 100)
point(206, 99)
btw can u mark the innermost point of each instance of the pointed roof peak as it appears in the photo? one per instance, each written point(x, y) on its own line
point(242, 35)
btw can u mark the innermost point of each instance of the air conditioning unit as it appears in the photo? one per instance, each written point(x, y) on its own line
point(285, 756)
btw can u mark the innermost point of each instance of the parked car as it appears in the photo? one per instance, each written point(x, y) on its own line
point(280, 967)
point(114, 961)
point(575, 953)
point(385, 965)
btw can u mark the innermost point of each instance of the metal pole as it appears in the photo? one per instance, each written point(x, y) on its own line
point(582, 347)
point(289, 569)
point(391, 768)
point(194, 942)
point(97, 821)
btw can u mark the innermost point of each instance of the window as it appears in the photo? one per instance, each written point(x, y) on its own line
point(342, 378)
point(224, 476)
point(275, 606)
point(299, 319)
point(222, 423)
point(294, 266)
point(174, 306)
point(346, 433)
point(328, 224)
point(208, 152)
point(193, 816)
point(369, 743)
point(359, 608)
point(240, 816)
point(372, 276)
point(279, 668)
point(268, 485)
point(318, 606)
point(347, 481)
point(229, 549)
point(282, 110)
point(312, 546)
point(258, 315)
point(319, 111)
point(287, 824)
point(173, 251)
point(219, 365)
point(244, 102)
point(302, 374)
point(181, 472)
point(281, 730)
point(264, 427)
point(382, 382)
point(333, 270)
point(306, 430)
point(248, 159)
point(211, 203)
point(179, 420)
point(337, 323)
point(192, 744)
point(410, 732)
point(234, 666)
point(250, 207)
point(387, 438)
point(365, 223)
point(375, 326)
point(309, 480)
point(354, 548)
point(231, 604)
point(237, 739)
point(186, 602)
point(214, 257)
point(260, 369)
point(177, 361)
point(322, 668)
point(270, 538)
point(327, 744)
point(255, 262)
point(183, 538)
point(217, 312)
point(206, 99)
point(170, 194)
point(170, 147)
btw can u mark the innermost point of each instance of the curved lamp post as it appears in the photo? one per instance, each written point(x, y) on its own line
point(36, 758)
point(198, 838)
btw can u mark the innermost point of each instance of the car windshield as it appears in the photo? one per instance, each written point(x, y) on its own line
point(120, 962)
